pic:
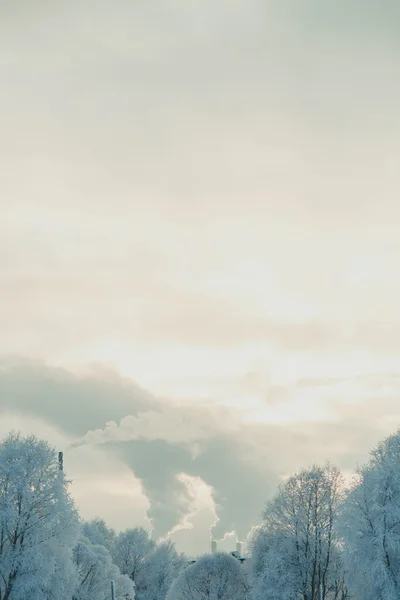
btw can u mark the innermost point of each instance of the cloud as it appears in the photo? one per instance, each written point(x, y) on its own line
point(176, 423)
point(198, 173)
point(72, 403)
point(169, 445)
point(361, 17)
point(205, 194)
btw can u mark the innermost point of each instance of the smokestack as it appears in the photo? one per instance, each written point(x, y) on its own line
point(213, 547)
point(61, 461)
point(239, 548)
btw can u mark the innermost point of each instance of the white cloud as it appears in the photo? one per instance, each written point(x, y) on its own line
point(196, 192)
point(164, 458)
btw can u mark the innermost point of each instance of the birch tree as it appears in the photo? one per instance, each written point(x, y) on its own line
point(296, 548)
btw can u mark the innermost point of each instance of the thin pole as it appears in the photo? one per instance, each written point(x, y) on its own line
point(320, 591)
point(112, 590)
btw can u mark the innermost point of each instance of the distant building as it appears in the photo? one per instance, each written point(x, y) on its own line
point(236, 553)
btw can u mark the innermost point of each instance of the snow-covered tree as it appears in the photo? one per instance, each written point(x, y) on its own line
point(64, 579)
point(95, 571)
point(213, 577)
point(131, 550)
point(161, 567)
point(97, 532)
point(38, 521)
point(371, 525)
point(272, 555)
point(296, 548)
point(151, 566)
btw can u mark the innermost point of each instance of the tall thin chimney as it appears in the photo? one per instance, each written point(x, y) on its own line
point(61, 461)
point(239, 548)
point(213, 547)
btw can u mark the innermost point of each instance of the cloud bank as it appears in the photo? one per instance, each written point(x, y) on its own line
point(163, 442)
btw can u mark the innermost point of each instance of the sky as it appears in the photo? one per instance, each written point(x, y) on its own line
point(199, 245)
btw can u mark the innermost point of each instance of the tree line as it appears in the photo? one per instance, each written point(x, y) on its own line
point(316, 536)
point(317, 533)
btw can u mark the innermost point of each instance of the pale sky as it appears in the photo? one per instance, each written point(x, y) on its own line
point(200, 243)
